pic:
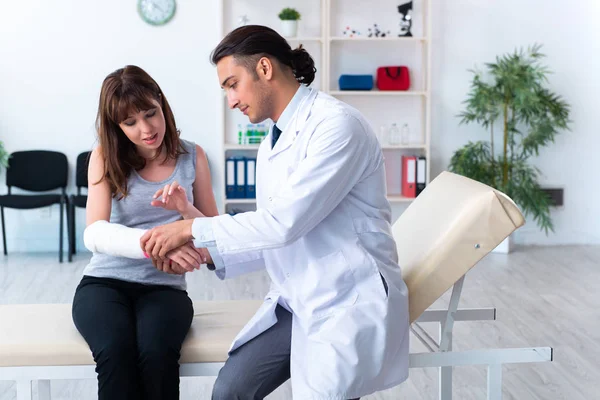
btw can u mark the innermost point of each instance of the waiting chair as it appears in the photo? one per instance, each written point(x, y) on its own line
point(36, 171)
point(78, 200)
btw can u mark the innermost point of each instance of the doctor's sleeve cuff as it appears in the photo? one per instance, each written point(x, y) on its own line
point(204, 238)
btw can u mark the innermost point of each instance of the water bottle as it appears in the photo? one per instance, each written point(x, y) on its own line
point(405, 134)
point(394, 138)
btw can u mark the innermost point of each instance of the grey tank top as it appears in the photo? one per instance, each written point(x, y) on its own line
point(135, 211)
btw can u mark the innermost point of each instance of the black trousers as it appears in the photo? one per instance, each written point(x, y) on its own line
point(258, 367)
point(135, 333)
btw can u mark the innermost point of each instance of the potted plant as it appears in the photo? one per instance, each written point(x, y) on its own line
point(289, 21)
point(3, 156)
point(521, 116)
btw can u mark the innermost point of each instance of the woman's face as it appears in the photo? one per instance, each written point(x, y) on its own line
point(146, 129)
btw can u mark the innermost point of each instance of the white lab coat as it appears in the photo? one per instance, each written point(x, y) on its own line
point(322, 230)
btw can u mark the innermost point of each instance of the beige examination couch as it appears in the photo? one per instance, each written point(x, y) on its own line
point(445, 231)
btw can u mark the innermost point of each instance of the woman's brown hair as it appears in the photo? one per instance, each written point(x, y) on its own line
point(125, 91)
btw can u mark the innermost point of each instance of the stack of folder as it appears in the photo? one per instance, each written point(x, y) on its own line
point(405, 174)
point(240, 176)
point(413, 175)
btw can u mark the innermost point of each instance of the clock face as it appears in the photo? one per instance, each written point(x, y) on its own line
point(156, 12)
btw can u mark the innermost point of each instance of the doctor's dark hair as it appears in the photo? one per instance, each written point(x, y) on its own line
point(247, 44)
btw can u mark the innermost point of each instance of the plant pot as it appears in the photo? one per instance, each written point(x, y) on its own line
point(505, 246)
point(289, 28)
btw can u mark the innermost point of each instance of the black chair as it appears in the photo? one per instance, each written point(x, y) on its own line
point(78, 200)
point(36, 171)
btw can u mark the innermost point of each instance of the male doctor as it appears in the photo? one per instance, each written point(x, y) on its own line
point(336, 318)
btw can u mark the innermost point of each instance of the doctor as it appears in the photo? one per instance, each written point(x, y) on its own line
point(336, 317)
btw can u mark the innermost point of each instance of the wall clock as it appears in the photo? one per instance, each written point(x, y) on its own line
point(156, 12)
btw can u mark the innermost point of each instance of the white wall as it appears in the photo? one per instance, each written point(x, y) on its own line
point(54, 55)
point(472, 32)
point(53, 58)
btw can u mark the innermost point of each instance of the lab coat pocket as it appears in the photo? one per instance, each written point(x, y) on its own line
point(327, 284)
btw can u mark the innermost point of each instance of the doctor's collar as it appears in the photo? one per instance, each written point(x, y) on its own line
point(292, 107)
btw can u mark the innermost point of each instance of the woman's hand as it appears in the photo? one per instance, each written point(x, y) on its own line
point(183, 259)
point(173, 198)
point(186, 256)
point(169, 267)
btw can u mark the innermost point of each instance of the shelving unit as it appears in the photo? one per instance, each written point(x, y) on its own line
point(321, 34)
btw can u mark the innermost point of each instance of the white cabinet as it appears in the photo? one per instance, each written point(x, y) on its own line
point(321, 31)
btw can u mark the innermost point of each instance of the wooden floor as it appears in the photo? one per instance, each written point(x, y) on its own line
point(544, 297)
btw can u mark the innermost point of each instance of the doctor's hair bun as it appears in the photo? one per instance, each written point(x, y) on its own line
point(303, 66)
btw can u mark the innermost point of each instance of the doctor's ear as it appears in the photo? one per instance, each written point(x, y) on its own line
point(264, 68)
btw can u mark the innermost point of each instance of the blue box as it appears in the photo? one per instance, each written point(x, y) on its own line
point(356, 82)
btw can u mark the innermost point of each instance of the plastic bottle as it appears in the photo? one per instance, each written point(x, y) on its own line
point(405, 135)
point(394, 138)
point(241, 136)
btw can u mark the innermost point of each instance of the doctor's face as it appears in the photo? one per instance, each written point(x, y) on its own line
point(246, 90)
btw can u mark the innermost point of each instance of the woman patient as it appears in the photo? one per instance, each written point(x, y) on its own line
point(134, 312)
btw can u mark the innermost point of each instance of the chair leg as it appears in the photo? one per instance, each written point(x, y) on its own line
point(69, 234)
point(3, 230)
point(60, 229)
point(71, 229)
point(73, 238)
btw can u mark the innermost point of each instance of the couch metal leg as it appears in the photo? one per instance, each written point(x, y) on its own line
point(44, 389)
point(24, 390)
point(494, 382)
point(3, 231)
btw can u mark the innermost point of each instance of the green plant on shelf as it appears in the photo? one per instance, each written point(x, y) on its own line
point(289, 14)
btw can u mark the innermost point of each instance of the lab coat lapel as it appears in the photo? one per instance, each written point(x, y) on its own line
point(294, 126)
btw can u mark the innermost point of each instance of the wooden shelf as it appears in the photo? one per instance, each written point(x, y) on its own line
point(240, 201)
point(376, 39)
point(399, 199)
point(231, 146)
point(404, 147)
point(376, 93)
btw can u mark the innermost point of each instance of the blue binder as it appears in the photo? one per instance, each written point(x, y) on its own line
point(230, 192)
point(251, 178)
point(240, 178)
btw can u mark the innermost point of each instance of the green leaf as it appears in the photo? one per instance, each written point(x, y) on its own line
point(516, 82)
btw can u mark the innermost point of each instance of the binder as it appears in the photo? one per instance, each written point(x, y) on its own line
point(240, 178)
point(421, 174)
point(251, 178)
point(230, 178)
point(409, 175)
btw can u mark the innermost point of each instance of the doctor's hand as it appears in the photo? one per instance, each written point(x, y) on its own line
point(157, 242)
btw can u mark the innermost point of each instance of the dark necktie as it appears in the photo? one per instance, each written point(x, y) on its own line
point(276, 134)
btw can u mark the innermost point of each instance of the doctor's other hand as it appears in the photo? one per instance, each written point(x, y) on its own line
point(158, 241)
point(205, 256)
point(171, 197)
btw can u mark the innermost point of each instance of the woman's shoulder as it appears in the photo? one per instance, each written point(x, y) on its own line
point(188, 145)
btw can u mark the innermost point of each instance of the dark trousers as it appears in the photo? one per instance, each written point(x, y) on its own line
point(135, 333)
point(260, 366)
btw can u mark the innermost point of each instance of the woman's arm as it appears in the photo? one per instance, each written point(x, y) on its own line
point(99, 198)
point(204, 198)
point(101, 236)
